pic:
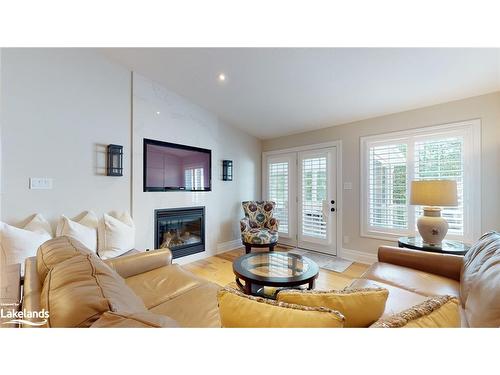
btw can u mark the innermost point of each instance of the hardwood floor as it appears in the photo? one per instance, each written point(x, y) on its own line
point(219, 269)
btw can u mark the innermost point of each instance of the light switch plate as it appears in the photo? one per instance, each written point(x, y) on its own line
point(347, 185)
point(38, 183)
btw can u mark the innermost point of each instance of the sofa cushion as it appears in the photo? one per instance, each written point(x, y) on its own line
point(360, 307)
point(398, 300)
point(420, 282)
point(195, 308)
point(116, 235)
point(134, 320)
point(436, 312)
point(140, 262)
point(79, 290)
point(82, 228)
point(480, 281)
point(162, 284)
point(239, 310)
point(56, 251)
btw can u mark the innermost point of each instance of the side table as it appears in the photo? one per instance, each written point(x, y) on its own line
point(446, 247)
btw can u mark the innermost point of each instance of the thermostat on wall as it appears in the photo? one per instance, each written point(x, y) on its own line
point(40, 183)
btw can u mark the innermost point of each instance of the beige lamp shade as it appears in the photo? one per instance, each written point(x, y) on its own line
point(434, 193)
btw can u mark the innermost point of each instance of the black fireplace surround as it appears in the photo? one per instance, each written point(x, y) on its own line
point(182, 230)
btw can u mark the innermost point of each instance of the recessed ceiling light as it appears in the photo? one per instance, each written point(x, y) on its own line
point(222, 77)
point(157, 112)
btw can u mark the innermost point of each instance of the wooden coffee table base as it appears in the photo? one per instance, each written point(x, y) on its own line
point(255, 289)
point(248, 246)
point(248, 286)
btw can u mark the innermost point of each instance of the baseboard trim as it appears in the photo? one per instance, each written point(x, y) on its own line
point(229, 245)
point(221, 248)
point(358, 256)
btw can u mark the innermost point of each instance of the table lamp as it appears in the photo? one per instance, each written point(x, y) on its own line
point(433, 194)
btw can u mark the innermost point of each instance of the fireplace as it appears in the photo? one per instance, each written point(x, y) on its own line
point(182, 230)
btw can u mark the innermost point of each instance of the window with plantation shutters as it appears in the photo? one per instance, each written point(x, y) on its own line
point(278, 192)
point(391, 161)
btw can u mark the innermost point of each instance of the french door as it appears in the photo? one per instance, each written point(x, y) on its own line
point(303, 185)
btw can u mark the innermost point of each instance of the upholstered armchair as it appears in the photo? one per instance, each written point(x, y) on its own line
point(259, 228)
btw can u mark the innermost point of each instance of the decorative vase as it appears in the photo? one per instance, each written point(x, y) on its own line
point(432, 227)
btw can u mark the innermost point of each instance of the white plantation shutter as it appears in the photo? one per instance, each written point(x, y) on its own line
point(313, 194)
point(442, 159)
point(387, 206)
point(278, 192)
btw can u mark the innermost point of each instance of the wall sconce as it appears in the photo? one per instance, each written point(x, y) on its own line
point(115, 160)
point(227, 170)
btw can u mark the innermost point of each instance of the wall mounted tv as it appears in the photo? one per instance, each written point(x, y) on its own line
point(174, 167)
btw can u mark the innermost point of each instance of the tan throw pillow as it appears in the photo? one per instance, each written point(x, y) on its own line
point(136, 320)
point(436, 312)
point(360, 307)
point(238, 310)
point(79, 290)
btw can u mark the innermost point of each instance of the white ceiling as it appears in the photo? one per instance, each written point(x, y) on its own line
point(272, 92)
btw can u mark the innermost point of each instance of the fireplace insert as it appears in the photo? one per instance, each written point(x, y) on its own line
point(182, 230)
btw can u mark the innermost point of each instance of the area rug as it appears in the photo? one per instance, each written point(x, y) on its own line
point(328, 262)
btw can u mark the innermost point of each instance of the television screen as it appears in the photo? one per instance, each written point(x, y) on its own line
point(169, 166)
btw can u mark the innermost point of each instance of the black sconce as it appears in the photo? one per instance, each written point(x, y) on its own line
point(227, 170)
point(115, 160)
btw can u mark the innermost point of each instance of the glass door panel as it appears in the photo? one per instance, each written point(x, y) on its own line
point(317, 191)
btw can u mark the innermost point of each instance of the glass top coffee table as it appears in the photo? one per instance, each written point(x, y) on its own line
point(264, 273)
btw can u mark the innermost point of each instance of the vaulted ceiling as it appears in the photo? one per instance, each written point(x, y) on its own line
point(271, 92)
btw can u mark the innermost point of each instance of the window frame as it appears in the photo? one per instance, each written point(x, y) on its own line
point(471, 131)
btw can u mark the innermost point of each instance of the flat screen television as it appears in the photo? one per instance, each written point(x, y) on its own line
point(174, 167)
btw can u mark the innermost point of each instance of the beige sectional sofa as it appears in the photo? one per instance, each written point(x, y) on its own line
point(147, 290)
point(81, 290)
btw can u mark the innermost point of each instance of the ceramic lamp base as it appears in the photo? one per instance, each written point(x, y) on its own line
point(432, 227)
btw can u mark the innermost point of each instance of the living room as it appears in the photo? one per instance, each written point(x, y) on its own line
point(201, 186)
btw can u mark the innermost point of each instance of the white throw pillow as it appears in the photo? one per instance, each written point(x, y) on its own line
point(17, 244)
point(83, 229)
point(116, 235)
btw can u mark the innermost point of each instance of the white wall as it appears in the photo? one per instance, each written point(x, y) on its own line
point(1, 87)
point(59, 108)
point(485, 107)
point(182, 122)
